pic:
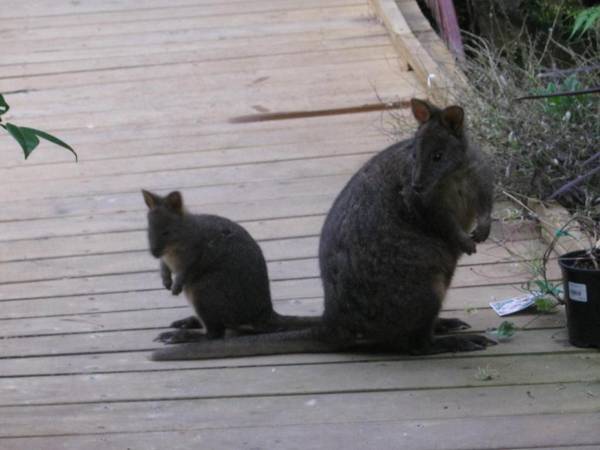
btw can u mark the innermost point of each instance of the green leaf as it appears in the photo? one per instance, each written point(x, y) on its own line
point(562, 233)
point(585, 20)
point(3, 105)
point(571, 83)
point(544, 305)
point(26, 140)
point(49, 138)
point(542, 286)
point(506, 329)
point(592, 17)
point(579, 21)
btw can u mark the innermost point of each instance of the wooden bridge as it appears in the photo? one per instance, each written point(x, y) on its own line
point(260, 111)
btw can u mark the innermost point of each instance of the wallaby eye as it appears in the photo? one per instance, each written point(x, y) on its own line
point(437, 156)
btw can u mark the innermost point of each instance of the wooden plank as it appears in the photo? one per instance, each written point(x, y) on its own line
point(231, 48)
point(159, 14)
point(301, 409)
point(381, 91)
point(193, 159)
point(268, 52)
point(183, 178)
point(222, 65)
point(62, 7)
point(117, 142)
point(129, 263)
point(304, 379)
point(128, 30)
point(63, 48)
point(480, 432)
point(216, 89)
point(285, 289)
point(244, 24)
point(290, 225)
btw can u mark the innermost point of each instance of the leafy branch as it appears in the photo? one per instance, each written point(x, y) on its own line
point(28, 138)
point(585, 20)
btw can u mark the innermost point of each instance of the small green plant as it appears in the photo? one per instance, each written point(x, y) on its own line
point(565, 107)
point(505, 331)
point(547, 293)
point(585, 20)
point(28, 138)
point(545, 305)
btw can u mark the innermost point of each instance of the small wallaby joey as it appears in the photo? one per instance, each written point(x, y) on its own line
point(389, 248)
point(220, 268)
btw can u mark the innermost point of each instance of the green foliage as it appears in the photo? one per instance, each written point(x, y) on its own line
point(537, 146)
point(562, 233)
point(585, 20)
point(542, 287)
point(548, 13)
point(566, 107)
point(545, 305)
point(506, 330)
point(29, 138)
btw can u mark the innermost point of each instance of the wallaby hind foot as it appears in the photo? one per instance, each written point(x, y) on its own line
point(459, 343)
point(180, 336)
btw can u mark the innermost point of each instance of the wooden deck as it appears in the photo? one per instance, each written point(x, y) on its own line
point(259, 111)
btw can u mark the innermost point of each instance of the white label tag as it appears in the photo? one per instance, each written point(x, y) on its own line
point(577, 292)
point(514, 304)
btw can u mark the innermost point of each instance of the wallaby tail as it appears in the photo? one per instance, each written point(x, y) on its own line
point(284, 323)
point(299, 341)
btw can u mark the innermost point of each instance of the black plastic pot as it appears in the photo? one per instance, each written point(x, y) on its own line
point(582, 298)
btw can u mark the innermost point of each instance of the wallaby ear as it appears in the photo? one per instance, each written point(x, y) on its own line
point(152, 200)
point(174, 202)
point(421, 110)
point(453, 117)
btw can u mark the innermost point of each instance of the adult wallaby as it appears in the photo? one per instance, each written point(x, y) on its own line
point(389, 248)
point(219, 266)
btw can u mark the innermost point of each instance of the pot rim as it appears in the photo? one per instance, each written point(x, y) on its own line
point(562, 261)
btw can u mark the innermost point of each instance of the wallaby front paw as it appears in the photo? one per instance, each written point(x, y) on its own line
point(468, 246)
point(176, 289)
point(482, 232)
point(167, 283)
